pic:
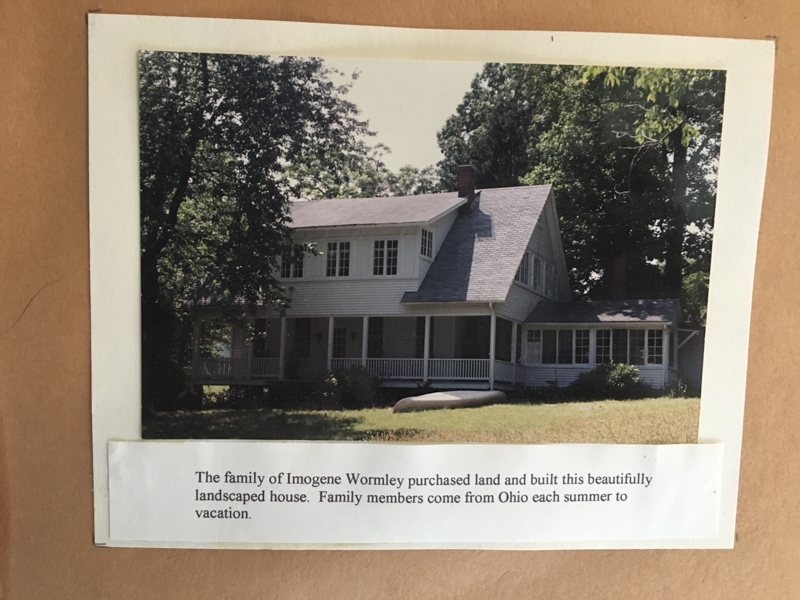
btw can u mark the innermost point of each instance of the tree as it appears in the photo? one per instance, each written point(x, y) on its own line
point(219, 138)
point(633, 172)
point(490, 130)
point(678, 114)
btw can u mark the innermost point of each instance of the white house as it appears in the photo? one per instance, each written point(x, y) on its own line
point(465, 289)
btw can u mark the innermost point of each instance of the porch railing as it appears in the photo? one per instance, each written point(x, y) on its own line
point(458, 368)
point(396, 368)
point(443, 369)
point(345, 363)
point(265, 367)
point(235, 368)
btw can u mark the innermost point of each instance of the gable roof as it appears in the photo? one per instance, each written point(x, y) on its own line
point(480, 255)
point(607, 311)
point(399, 210)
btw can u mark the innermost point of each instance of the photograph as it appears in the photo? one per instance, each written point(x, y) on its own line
point(423, 251)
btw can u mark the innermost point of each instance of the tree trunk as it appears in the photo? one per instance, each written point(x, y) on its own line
point(676, 227)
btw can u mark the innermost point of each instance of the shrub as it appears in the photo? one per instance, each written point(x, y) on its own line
point(613, 380)
point(351, 388)
point(235, 396)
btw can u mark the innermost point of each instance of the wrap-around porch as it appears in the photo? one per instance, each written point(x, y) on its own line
point(472, 351)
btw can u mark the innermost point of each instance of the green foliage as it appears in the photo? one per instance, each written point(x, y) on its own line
point(632, 156)
point(609, 381)
point(350, 388)
point(694, 299)
point(681, 389)
point(220, 137)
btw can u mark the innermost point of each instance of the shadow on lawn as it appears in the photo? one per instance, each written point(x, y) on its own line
point(260, 424)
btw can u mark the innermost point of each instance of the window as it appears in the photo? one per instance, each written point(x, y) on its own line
point(549, 280)
point(549, 346)
point(290, 268)
point(523, 272)
point(338, 259)
point(538, 273)
point(565, 347)
point(636, 339)
point(562, 346)
point(603, 346)
point(628, 346)
point(655, 347)
point(582, 346)
point(339, 342)
point(427, 243)
point(384, 261)
point(619, 345)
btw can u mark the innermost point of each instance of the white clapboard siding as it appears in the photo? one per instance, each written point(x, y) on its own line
point(349, 296)
point(652, 375)
point(424, 267)
point(672, 377)
point(561, 375)
point(519, 303)
point(362, 247)
point(440, 227)
point(541, 242)
point(546, 375)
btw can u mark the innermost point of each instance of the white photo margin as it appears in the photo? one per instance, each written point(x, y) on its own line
point(114, 41)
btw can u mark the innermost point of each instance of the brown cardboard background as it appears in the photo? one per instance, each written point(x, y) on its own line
point(46, 548)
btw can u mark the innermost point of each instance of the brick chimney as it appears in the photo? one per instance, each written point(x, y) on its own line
point(467, 175)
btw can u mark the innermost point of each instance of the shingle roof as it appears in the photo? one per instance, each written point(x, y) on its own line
point(480, 255)
point(401, 210)
point(609, 311)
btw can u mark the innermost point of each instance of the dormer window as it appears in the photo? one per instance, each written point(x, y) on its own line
point(426, 249)
point(524, 270)
point(384, 260)
point(337, 263)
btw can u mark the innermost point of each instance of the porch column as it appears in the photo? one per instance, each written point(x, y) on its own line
point(426, 352)
point(330, 343)
point(492, 337)
point(364, 341)
point(282, 355)
point(513, 352)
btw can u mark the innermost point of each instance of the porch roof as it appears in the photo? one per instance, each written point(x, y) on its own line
point(480, 255)
point(607, 311)
point(364, 212)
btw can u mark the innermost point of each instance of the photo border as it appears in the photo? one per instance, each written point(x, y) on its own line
point(114, 41)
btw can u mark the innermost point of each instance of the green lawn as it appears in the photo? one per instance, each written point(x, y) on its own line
point(650, 421)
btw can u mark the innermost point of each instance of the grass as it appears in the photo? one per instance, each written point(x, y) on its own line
point(649, 421)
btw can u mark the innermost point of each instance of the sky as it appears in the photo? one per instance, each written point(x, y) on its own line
point(406, 103)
